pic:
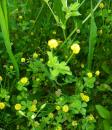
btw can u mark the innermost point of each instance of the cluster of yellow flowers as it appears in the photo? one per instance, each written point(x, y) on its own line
point(90, 74)
point(2, 105)
point(75, 48)
point(24, 80)
point(84, 97)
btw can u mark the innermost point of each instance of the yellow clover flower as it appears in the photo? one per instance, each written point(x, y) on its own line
point(53, 43)
point(33, 108)
point(84, 97)
point(2, 105)
point(11, 67)
point(18, 106)
point(23, 60)
point(59, 128)
point(65, 108)
point(75, 48)
point(58, 108)
point(90, 75)
point(24, 80)
point(91, 117)
point(51, 115)
point(35, 55)
point(1, 78)
point(101, 5)
point(97, 73)
point(74, 123)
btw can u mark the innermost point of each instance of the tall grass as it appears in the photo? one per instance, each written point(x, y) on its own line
point(5, 33)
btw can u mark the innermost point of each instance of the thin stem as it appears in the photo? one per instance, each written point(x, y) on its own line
point(68, 37)
point(90, 13)
point(69, 58)
point(64, 34)
point(38, 16)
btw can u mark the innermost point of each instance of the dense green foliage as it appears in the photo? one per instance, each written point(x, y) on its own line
point(55, 65)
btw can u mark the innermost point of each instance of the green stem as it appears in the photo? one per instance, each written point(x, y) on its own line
point(90, 13)
point(38, 16)
point(69, 58)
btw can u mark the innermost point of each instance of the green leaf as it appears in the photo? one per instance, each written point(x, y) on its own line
point(92, 39)
point(57, 68)
point(103, 112)
point(106, 124)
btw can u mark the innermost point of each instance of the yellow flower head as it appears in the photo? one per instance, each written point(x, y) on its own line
point(91, 117)
point(58, 108)
point(1, 78)
point(53, 43)
point(33, 108)
point(11, 67)
point(59, 128)
point(18, 107)
point(65, 108)
point(35, 55)
point(32, 33)
point(20, 17)
point(2, 105)
point(51, 115)
point(24, 80)
point(97, 73)
point(101, 5)
point(84, 97)
point(75, 48)
point(74, 123)
point(22, 60)
point(90, 75)
point(82, 65)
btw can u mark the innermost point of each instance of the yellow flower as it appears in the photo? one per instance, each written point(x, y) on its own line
point(97, 73)
point(2, 105)
point(91, 117)
point(59, 128)
point(35, 55)
point(65, 108)
point(33, 108)
point(90, 75)
point(11, 67)
point(53, 43)
point(51, 115)
point(32, 33)
point(84, 97)
point(74, 123)
point(75, 48)
point(22, 60)
point(20, 17)
point(82, 65)
point(1, 78)
point(101, 5)
point(24, 80)
point(58, 108)
point(18, 107)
